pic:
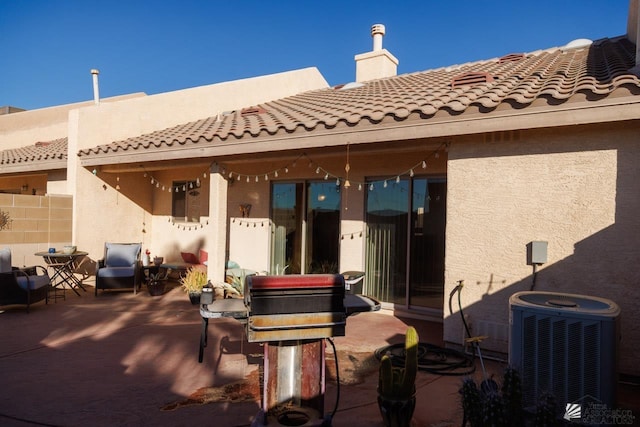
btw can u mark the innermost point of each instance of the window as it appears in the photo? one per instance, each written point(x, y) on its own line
point(405, 242)
point(306, 227)
point(186, 199)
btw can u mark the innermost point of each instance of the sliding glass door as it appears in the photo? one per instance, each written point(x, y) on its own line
point(405, 241)
point(305, 227)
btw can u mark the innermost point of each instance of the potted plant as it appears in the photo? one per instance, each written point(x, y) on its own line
point(156, 282)
point(396, 385)
point(193, 282)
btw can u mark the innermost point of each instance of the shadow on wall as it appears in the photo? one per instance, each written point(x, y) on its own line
point(175, 250)
point(604, 265)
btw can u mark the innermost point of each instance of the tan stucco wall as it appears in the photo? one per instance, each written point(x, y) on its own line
point(45, 124)
point(575, 188)
point(134, 205)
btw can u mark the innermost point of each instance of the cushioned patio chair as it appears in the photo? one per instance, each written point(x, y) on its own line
point(120, 268)
point(22, 286)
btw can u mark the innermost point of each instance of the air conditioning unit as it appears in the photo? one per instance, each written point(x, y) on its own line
point(564, 344)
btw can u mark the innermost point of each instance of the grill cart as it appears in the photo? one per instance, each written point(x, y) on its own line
point(292, 315)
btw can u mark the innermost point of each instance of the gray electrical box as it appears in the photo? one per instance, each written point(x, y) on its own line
point(537, 252)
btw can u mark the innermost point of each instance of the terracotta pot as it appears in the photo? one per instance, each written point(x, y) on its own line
point(396, 413)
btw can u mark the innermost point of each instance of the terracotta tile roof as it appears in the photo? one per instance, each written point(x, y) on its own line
point(514, 82)
point(51, 153)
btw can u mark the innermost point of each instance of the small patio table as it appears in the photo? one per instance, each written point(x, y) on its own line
point(64, 266)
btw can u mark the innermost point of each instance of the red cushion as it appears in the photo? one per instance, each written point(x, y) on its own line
point(190, 258)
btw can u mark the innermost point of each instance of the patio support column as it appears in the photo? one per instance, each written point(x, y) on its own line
point(217, 236)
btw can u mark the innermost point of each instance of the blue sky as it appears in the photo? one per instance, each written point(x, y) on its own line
point(48, 47)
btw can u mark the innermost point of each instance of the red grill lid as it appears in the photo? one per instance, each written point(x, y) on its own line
point(292, 281)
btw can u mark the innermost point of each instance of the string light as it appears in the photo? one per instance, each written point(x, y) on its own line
point(346, 181)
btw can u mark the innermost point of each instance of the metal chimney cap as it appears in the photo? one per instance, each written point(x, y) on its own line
point(94, 71)
point(377, 29)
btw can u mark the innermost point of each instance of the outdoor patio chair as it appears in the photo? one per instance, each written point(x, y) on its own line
point(120, 268)
point(22, 286)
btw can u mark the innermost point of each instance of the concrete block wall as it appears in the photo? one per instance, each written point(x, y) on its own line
point(36, 224)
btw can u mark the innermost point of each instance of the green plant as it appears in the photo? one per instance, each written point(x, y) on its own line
point(471, 403)
point(160, 275)
point(194, 280)
point(493, 410)
point(237, 282)
point(546, 411)
point(398, 383)
point(512, 397)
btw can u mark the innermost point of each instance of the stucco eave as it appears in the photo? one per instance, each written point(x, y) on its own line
point(32, 167)
point(570, 115)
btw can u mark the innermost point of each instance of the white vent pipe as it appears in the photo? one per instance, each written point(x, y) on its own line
point(377, 32)
point(96, 89)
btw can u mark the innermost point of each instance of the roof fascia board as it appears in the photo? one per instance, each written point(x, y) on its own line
point(576, 115)
point(32, 167)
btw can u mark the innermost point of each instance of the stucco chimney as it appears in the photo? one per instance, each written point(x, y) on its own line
point(633, 29)
point(378, 63)
point(96, 89)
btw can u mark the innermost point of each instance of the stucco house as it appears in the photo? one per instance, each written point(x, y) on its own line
point(419, 180)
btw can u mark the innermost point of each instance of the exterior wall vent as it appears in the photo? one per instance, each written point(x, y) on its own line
point(512, 57)
point(471, 79)
point(252, 110)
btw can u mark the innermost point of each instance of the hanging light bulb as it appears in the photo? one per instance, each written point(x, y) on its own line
point(152, 181)
point(326, 177)
point(256, 178)
point(184, 188)
point(371, 187)
point(411, 173)
point(385, 184)
point(266, 177)
point(424, 164)
point(157, 184)
point(276, 174)
point(359, 187)
point(198, 182)
point(338, 181)
point(347, 184)
point(145, 174)
point(318, 169)
point(247, 178)
point(397, 179)
point(230, 174)
point(163, 188)
point(204, 175)
point(191, 184)
point(286, 170)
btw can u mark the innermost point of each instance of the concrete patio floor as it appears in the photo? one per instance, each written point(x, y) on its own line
point(121, 359)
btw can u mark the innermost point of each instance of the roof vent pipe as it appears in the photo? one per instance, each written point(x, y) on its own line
point(377, 32)
point(96, 90)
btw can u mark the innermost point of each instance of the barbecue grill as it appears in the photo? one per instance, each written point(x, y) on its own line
point(292, 315)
